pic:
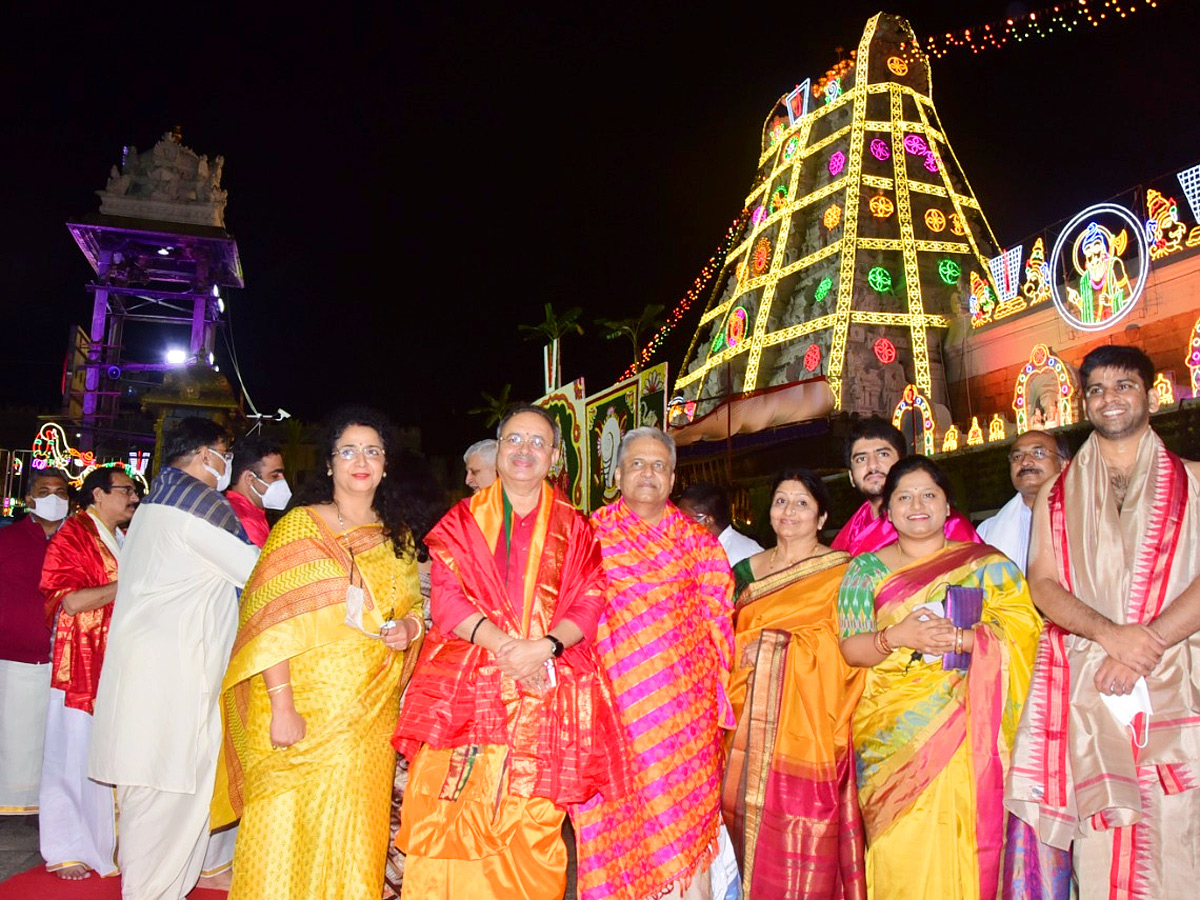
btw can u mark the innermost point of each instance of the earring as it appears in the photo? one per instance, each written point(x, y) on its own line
point(329, 472)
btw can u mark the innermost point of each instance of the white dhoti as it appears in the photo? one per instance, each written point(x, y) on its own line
point(77, 824)
point(24, 692)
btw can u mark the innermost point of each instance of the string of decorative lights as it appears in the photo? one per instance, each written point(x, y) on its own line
point(710, 268)
point(1040, 23)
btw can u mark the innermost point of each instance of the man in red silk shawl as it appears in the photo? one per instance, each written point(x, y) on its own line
point(872, 448)
point(666, 641)
point(507, 719)
point(79, 581)
point(1115, 566)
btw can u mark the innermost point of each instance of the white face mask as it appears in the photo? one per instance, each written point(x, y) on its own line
point(277, 494)
point(52, 507)
point(222, 477)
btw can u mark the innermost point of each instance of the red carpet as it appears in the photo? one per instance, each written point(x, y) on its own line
point(38, 884)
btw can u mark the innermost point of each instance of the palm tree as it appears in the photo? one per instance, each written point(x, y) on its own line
point(633, 329)
point(552, 329)
point(493, 408)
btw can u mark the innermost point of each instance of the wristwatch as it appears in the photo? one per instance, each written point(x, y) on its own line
point(558, 646)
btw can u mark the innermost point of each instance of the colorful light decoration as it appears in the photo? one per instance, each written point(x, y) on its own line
point(833, 90)
point(1114, 245)
point(51, 450)
point(935, 220)
point(778, 198)
point(792, 146)
point(812, 357)
point(974, 433)
point(1005, 270)
point(832, 217)
point(957, 225)
point(950, 441)
point(1193, 359)
point(759, 215)
point(912, 401)
point(949, 271)
point(1189, 181)
point(915, 144)
point(885, 351)
point(762, 256)
point(879, 150)
point(881, 207)
point(1041, 359)
point(1036, 288)
point(996, 429)
point(880, 279)
point(823, 289)
point(735, 328)
point(1164, 232)
point(931, 163)
point(897, 65)
point(1165, 389)
point(837, 162)
point(981, 303)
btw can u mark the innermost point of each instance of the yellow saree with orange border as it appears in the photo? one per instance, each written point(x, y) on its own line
point(314, 815)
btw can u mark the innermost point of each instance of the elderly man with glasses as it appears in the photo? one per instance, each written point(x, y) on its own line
point(157, 724)
point(1034, 459)
point(507, 719)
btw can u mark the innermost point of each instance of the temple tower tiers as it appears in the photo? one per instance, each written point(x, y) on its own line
point(864, 242)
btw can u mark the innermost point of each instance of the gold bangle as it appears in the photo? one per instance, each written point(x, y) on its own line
point(881, 641)
point(958, 640)
point(278, 687)
point(420, 620)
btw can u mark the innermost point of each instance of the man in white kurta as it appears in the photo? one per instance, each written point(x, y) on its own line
point(1034, 458)
point(157, 724)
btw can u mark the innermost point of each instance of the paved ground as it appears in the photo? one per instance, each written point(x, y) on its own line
point(18, 845)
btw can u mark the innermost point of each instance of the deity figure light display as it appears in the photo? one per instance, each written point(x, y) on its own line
point(1104, 288)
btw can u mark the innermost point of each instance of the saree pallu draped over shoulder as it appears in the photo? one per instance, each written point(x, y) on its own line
point(790, 800)
point(932, 745)
point(314, 815)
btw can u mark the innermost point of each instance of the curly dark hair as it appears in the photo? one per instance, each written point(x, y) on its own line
point(395, 508)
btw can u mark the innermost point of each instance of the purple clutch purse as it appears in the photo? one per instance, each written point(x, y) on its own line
point(964, 607)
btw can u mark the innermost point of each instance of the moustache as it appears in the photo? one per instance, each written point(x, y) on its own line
point(1028, 470)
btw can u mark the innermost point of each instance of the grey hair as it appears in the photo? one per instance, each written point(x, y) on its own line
point(486, 448)
point(646, 431)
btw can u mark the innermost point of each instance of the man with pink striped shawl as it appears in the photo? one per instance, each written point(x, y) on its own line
point(665, 638)
point(1107, 754)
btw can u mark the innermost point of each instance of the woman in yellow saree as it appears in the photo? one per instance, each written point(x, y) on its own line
point(313, 686)
point(944, 687)
point(789, 796)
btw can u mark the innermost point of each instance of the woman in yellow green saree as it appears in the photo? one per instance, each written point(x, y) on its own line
point(944, 686)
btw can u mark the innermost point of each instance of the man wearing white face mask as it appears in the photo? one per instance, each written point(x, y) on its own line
point(157, 723)
point(25, 641)
point(257, 484)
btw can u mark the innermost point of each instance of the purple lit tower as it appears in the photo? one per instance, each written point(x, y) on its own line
point(161, 257)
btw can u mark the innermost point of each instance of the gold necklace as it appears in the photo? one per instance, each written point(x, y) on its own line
point(787, 563)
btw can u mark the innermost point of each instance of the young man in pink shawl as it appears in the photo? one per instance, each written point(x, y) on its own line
point(872, 447)
point(665, 638)
point(1107, 755)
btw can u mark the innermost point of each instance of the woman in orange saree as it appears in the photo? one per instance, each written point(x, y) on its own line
point(789, 798)
point(944, 687)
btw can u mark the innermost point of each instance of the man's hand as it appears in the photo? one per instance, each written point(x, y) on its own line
point(519, 658)
point(1135, 646)
point(287, 726)
point(1114, 678)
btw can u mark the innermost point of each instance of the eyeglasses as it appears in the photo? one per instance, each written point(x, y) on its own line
point(536, 441)
point(1038, 452)
point(371, 453)
point(127, 489)
point(227, 456)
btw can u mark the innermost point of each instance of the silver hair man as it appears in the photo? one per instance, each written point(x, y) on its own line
point(647, 431)
point(480, 460)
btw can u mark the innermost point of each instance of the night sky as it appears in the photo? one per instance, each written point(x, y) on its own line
point(407, 185)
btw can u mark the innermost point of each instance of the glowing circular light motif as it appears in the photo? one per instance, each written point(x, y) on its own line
point(880, 279)
point(881, 207)
point(949, 271)
point(1102, 292)
point(762, 256)
point(879, 149)
point(957, 224)
point(1038, 358)
point(897, 65)
point(735, 328)
point(832, 216)
point(812, 357)
point(915, 144)
point(778, 198)
point(837, 162)
point(931, 162)
point(885, 351)
point(827, 283)
point(935, 220)
point(792, 146)
point(759, 214)
point(833, 90)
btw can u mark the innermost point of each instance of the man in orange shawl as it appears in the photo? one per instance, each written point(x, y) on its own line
point(77, 822)
point(1107, 755)
point(666, 640)
point(507, 718)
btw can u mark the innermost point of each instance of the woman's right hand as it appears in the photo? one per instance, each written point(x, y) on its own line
point(287, 727)
point(923, 631)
